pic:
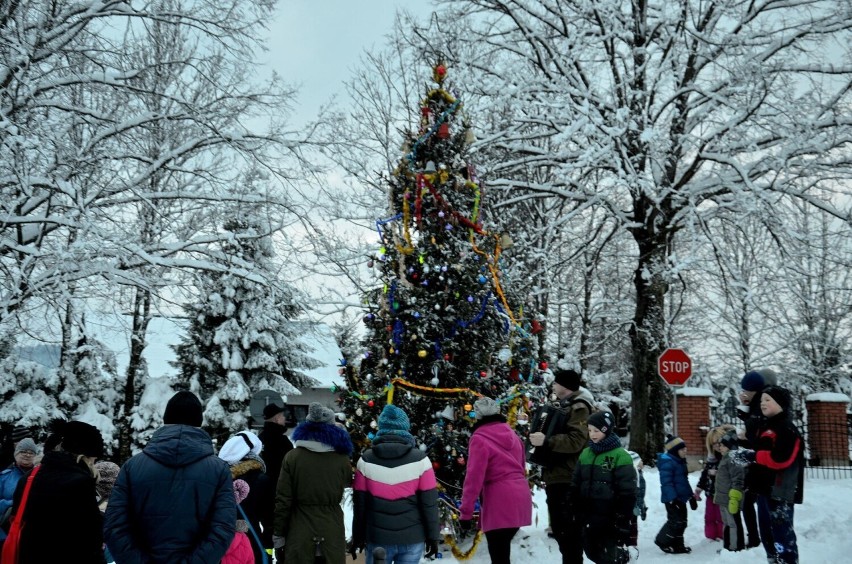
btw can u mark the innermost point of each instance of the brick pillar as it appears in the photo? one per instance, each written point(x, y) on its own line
point(828, 431)
point(693, 420)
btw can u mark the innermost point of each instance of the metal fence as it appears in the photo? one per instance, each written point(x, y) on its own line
point(828, 445)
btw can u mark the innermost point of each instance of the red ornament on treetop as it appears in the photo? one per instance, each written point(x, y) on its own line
point(439, 73)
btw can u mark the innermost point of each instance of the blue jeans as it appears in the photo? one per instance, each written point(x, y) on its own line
point(398, 553)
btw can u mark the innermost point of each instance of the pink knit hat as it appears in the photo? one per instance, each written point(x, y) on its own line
point(241, 490)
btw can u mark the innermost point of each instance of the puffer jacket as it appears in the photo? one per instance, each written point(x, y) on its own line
point(173, 502)
point(496, 474)
point(9, 479)
point(779, 467)
point(729, 476)
point(309, 492)
point(395, 494)
point(674, 483)
point(604, 488)
point(565, 447)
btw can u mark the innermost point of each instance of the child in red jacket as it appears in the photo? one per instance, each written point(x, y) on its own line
point(240, 551)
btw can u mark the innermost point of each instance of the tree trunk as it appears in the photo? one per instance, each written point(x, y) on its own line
point(647, 338)
point(141, 317)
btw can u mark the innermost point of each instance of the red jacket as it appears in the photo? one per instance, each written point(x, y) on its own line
point(240, 551)
point(496, 474)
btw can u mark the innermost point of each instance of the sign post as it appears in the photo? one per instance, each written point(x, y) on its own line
point(675, 367)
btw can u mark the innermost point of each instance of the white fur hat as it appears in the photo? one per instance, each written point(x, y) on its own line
point(237, 447)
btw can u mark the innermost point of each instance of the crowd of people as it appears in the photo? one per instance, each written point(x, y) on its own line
point(270, 495)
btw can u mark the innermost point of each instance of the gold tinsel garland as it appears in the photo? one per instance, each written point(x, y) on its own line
point(457, 552)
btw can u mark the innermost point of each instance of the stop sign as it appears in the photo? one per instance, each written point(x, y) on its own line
point(674, 366)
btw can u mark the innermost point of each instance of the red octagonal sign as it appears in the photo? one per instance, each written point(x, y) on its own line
point(674, 366)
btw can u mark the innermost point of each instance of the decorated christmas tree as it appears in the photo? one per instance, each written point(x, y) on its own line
point(442, 324)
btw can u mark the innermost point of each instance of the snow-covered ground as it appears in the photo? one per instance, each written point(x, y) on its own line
point(822, 527)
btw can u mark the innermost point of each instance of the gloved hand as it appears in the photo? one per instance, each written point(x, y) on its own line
point(697, 494)
point(431, 549)
point(465, 525)
point(354, 546)
point(693, 503)
point(735, 497)
point(644, 512)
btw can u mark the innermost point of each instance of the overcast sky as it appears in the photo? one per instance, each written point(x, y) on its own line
point(316, 43)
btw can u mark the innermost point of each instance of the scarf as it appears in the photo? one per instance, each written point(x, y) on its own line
point(608, 443)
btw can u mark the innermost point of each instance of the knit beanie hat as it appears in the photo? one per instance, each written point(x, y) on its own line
point(183, 409)
point(272, 410)
point(239, 446)
point(756, 380)
point(674, 444)
point(781, 396)
point(108, 472)
point(20, 433)
point(393, 421)
point(567, 379)
point(319, 414)
point(26, 444)
point(486, 406)
point(241, 490)
point(730, 440)
point(602, 421)
point(82, 438)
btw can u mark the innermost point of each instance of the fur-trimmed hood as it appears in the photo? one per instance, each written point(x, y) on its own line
point(245, 466)
point(322, 437)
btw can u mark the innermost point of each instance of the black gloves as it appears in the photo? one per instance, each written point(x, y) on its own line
point(644, 512)
point(431, 549)
point(355, 546)
point(465, 525)
point(693, 503)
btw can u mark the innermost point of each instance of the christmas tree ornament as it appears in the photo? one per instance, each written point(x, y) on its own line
point(469, 137)
point(506, 242)
point(421, 353)
point(434, 381)
point(444, 131)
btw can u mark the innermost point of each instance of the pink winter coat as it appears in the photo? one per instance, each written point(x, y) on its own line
point(496, 474)
point(240, 551)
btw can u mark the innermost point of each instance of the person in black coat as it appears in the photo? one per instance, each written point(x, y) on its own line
point(752, 384)
point(242, 453)
point(174, 501)
point(276, 445)
point(62, 520)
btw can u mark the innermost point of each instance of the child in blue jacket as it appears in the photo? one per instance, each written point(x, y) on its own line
point(676, 493)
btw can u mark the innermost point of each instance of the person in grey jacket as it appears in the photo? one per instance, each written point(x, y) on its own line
point(174, 501)
point(728, 495)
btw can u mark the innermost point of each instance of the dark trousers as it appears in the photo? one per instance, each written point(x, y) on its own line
point(750, 518)
point(783, 535)
point(500, 545)
point(563, 523)
point(764, 523)
point(671, 535)
point(602, 546)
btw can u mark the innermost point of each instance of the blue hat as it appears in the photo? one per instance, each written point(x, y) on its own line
point(392, 419)
point(752, 381)
point(674, 444)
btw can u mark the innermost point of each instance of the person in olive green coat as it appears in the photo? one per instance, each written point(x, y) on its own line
point(308, 515)
point(561, 451)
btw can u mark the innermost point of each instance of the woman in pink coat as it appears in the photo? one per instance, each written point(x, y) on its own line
point(496, 474)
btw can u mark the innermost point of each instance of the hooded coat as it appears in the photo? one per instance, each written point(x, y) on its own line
point(496, 474)
point(395, 494)
point(310, 489)
point(173, 502)
point(674, 478)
